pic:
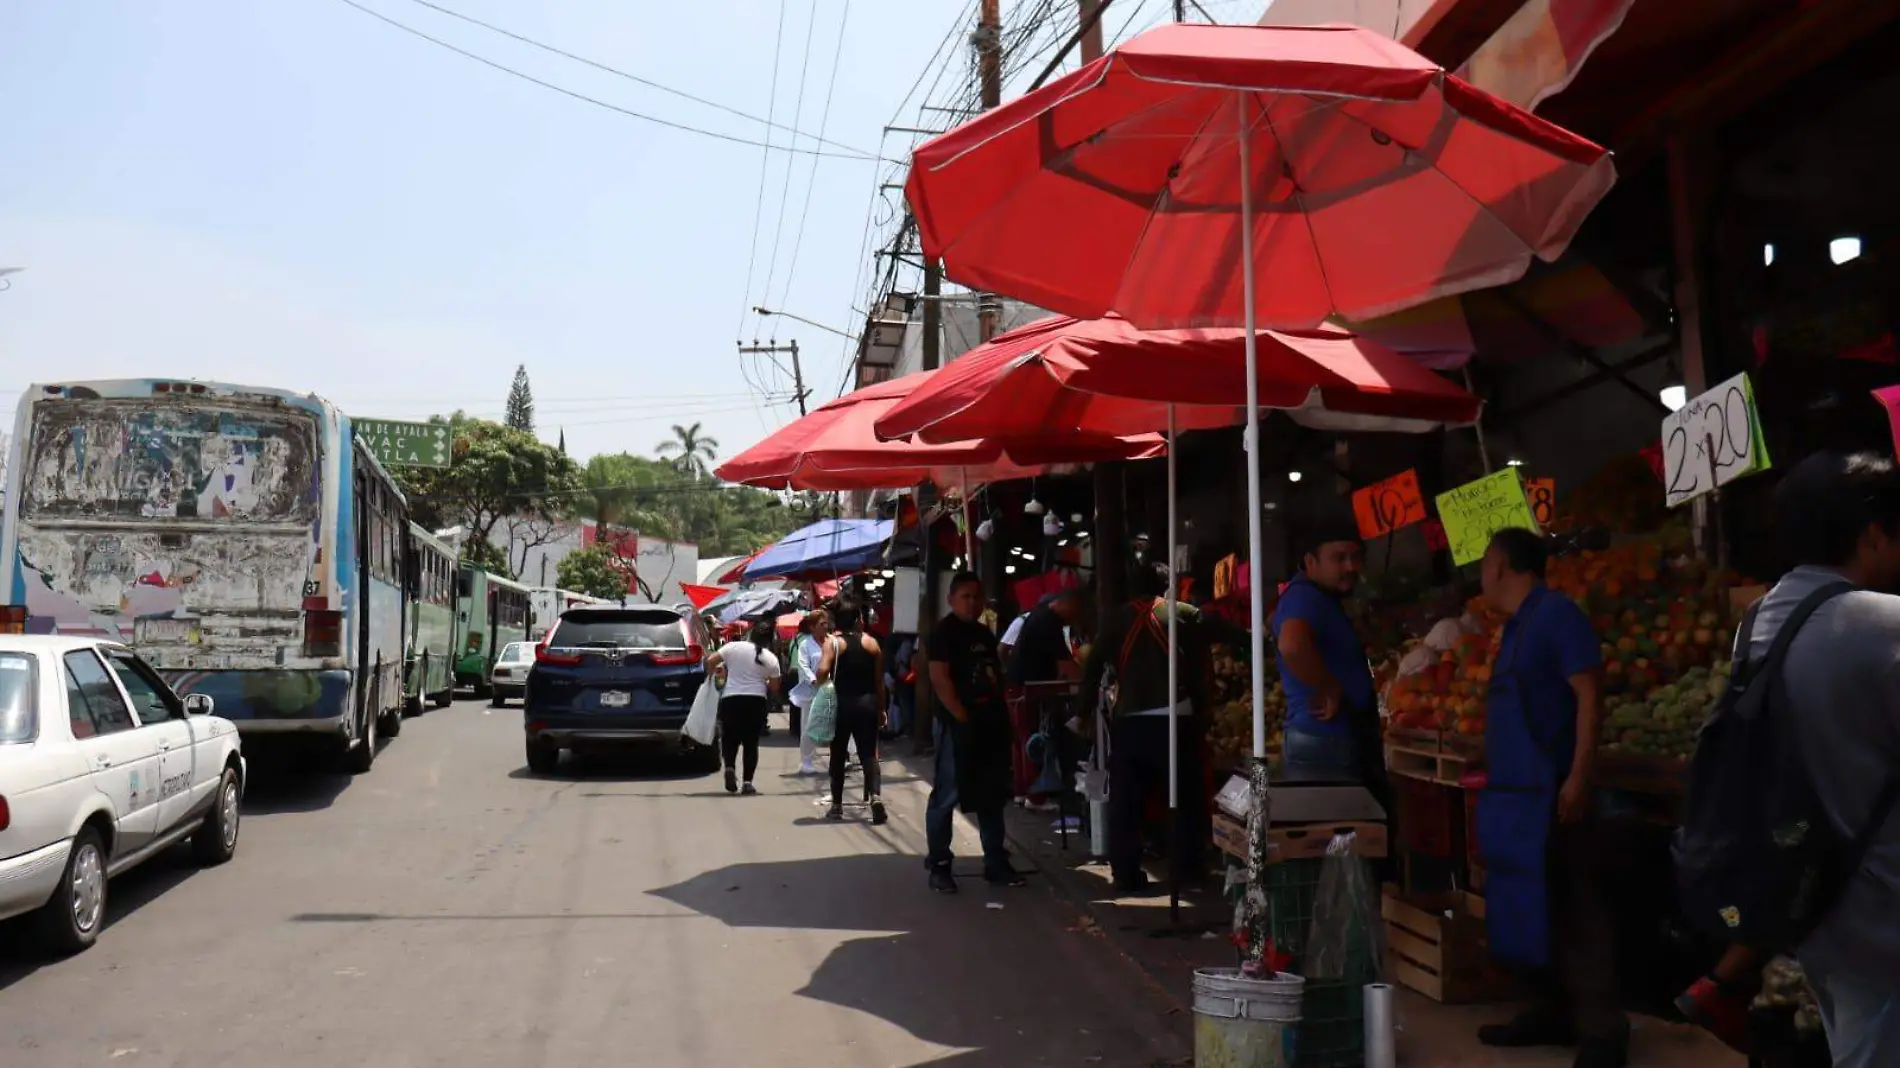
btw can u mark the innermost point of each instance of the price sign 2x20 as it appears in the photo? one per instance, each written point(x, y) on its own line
point(1712, 441)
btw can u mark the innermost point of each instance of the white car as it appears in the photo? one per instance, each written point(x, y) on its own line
point(101, 766)
point(509, 677)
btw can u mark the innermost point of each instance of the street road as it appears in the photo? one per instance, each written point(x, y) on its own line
point(450, 909)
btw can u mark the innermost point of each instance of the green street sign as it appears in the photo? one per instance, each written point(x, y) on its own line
point(399, 444)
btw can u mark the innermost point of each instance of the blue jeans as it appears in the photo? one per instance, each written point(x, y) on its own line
point(941, 814)
point(1315, 754)
point(1862, 1018)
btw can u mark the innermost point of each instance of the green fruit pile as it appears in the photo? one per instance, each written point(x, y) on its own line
point(1664, 721)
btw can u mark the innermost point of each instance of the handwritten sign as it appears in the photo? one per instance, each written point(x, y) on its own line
point(1384, 507)
point(1714, 440)
point(1476, 510)
point(1889, 398)
point(1542, 493)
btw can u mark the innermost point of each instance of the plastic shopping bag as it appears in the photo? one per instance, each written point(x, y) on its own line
point(821, 719)
point(702, 721)
point(1346, 939)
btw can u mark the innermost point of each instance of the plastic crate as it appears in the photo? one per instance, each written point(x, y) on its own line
point(1332, 1012)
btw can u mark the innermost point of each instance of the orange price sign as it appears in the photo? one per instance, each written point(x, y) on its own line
point(1384, 507)
point(1542, 494)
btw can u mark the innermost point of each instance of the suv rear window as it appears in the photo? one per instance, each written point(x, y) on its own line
point(19, 689)
point(618, 630)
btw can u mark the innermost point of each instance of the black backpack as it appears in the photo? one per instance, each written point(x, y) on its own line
point(1758, 862)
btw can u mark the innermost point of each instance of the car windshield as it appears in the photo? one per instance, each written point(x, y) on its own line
point(516, 651)
point(619, 630)
point(18, 687)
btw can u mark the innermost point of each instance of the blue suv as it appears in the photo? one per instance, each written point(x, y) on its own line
point(608, 676)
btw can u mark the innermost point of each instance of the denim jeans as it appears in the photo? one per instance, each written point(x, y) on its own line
point(941, 815)
point(1313, 753)
point(1862, 1017)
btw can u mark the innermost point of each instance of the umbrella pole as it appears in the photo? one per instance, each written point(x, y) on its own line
point(1256, 581)
point(1174, 704)
point(969, 523)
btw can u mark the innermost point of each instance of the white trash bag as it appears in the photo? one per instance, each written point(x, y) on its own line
point(702, 722)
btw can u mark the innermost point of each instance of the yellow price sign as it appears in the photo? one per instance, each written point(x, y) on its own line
point(1474, 511)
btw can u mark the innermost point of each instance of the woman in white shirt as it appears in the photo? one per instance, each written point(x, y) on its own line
point(749, 675)
point(807, 650)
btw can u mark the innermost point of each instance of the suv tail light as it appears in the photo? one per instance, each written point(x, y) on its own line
point(6, 814)
point(12, 619)
point(545, 655)
point(692, 654)
point(322, 633)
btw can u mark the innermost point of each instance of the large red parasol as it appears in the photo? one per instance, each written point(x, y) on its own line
point(1251, 176)
point(836, 447)
point(1104, 376)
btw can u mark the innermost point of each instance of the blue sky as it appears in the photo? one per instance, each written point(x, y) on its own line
point(292, 193)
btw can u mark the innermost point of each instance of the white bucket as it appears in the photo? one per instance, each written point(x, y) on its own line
point(1246, 1023)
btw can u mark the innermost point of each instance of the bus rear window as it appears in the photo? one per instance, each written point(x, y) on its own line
point(618, 630)
point(19, 696)
point(153, 458)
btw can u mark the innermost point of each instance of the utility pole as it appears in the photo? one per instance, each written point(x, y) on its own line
point(927, 612)
point(1180, 10)
point(1111, 524)
point(798, 372)
point(989, 53)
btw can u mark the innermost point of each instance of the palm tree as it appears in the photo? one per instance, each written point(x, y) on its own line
point(690, 451)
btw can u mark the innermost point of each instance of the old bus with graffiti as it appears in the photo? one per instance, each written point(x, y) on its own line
point(239, 538)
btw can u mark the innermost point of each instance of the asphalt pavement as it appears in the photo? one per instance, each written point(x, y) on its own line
point(449, 908)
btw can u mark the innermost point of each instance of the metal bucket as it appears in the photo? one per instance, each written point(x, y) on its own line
point(1246, 1023)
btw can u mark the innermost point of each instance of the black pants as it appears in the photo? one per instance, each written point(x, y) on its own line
point(857, 722)
point(741, 718)
point(1582, 989)
point(1137, 765)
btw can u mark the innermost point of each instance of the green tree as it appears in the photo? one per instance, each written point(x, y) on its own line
point(495, 472)
point(486, 555)
point(597, 571)
point(625, 490)
point(520, 413)
point(690, 451)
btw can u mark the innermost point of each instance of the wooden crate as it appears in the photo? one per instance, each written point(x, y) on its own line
point(1442, 764)
point(1444, 957)
point(1300, 840)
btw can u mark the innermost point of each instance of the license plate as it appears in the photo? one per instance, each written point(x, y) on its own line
point(615, 699)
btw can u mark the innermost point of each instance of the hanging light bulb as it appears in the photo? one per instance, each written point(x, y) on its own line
point(1051, 526)
point(1034, 507)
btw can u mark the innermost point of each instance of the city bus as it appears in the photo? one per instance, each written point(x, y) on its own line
point(490, 612)
point(240, 538)
point(546, 603)
point(429, 659)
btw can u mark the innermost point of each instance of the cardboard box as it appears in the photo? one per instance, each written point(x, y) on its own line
point(1299, 841)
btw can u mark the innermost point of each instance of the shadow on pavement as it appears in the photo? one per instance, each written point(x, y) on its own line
point(628, 764)
point(21, 957)
point(1011, 976)
point(279, 785)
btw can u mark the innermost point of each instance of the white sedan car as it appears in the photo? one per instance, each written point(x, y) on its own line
point(509, 677)
point(101, 766)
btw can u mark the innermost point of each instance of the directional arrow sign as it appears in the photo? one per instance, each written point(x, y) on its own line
point(406, 444)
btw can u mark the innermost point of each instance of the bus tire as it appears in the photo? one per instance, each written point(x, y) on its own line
point(360, 757)
point(443, 699)
point(482, 690)
point(412, 706)
point(392, 722)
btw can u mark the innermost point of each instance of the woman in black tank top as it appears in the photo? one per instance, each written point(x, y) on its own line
point(853, 664)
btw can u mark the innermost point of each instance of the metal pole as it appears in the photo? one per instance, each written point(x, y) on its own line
point(798, 379)
point(1174, 695)
point(1256, 555)
point(989, 50)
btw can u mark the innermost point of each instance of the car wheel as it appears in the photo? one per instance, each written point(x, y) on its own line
point(362, 756)
point(543, 758)
point(216, 838)
point(70, 922)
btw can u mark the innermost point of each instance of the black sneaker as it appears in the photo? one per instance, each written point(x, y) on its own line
point(835, 812)
point(1135, 886)
point(1527, 1031)
point(732, 781)
point(942, 881)
point(1005, 876)
point(878, 815)
point(748, 788)
point(1598, 1053)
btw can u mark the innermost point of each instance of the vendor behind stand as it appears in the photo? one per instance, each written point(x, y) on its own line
point(1041, 654)
point(1545, 904)
point(1332, 718)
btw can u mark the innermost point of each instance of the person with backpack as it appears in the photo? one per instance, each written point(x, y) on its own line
point(1789, 841)
point(1134, 645)
point(1545, 903)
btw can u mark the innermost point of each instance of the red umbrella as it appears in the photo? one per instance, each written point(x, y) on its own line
point(1246, 176)
point(701, 596)
point(1100, 376)
point(837, 448)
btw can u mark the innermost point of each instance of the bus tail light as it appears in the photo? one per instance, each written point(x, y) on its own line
point(6, 813)
point(322, 633)
point(12, 619)
point(692, 654)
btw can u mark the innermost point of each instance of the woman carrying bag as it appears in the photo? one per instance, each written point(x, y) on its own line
point(748, 674)
point(853, 666)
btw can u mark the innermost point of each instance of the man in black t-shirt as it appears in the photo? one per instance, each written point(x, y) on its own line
point(1041, 655)
point(973, 739)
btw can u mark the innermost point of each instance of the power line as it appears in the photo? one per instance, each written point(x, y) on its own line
point(758, 206)
point(811, 179)
point(798, 111)
point(596, 101)
point(637, 79)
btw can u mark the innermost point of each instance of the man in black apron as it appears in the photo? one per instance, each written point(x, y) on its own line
point(1545, 908)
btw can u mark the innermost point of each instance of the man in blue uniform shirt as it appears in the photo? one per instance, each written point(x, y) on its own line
point(1544, 899)
point(1332, 714)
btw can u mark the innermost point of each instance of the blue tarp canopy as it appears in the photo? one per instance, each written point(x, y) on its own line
point(827, 549)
